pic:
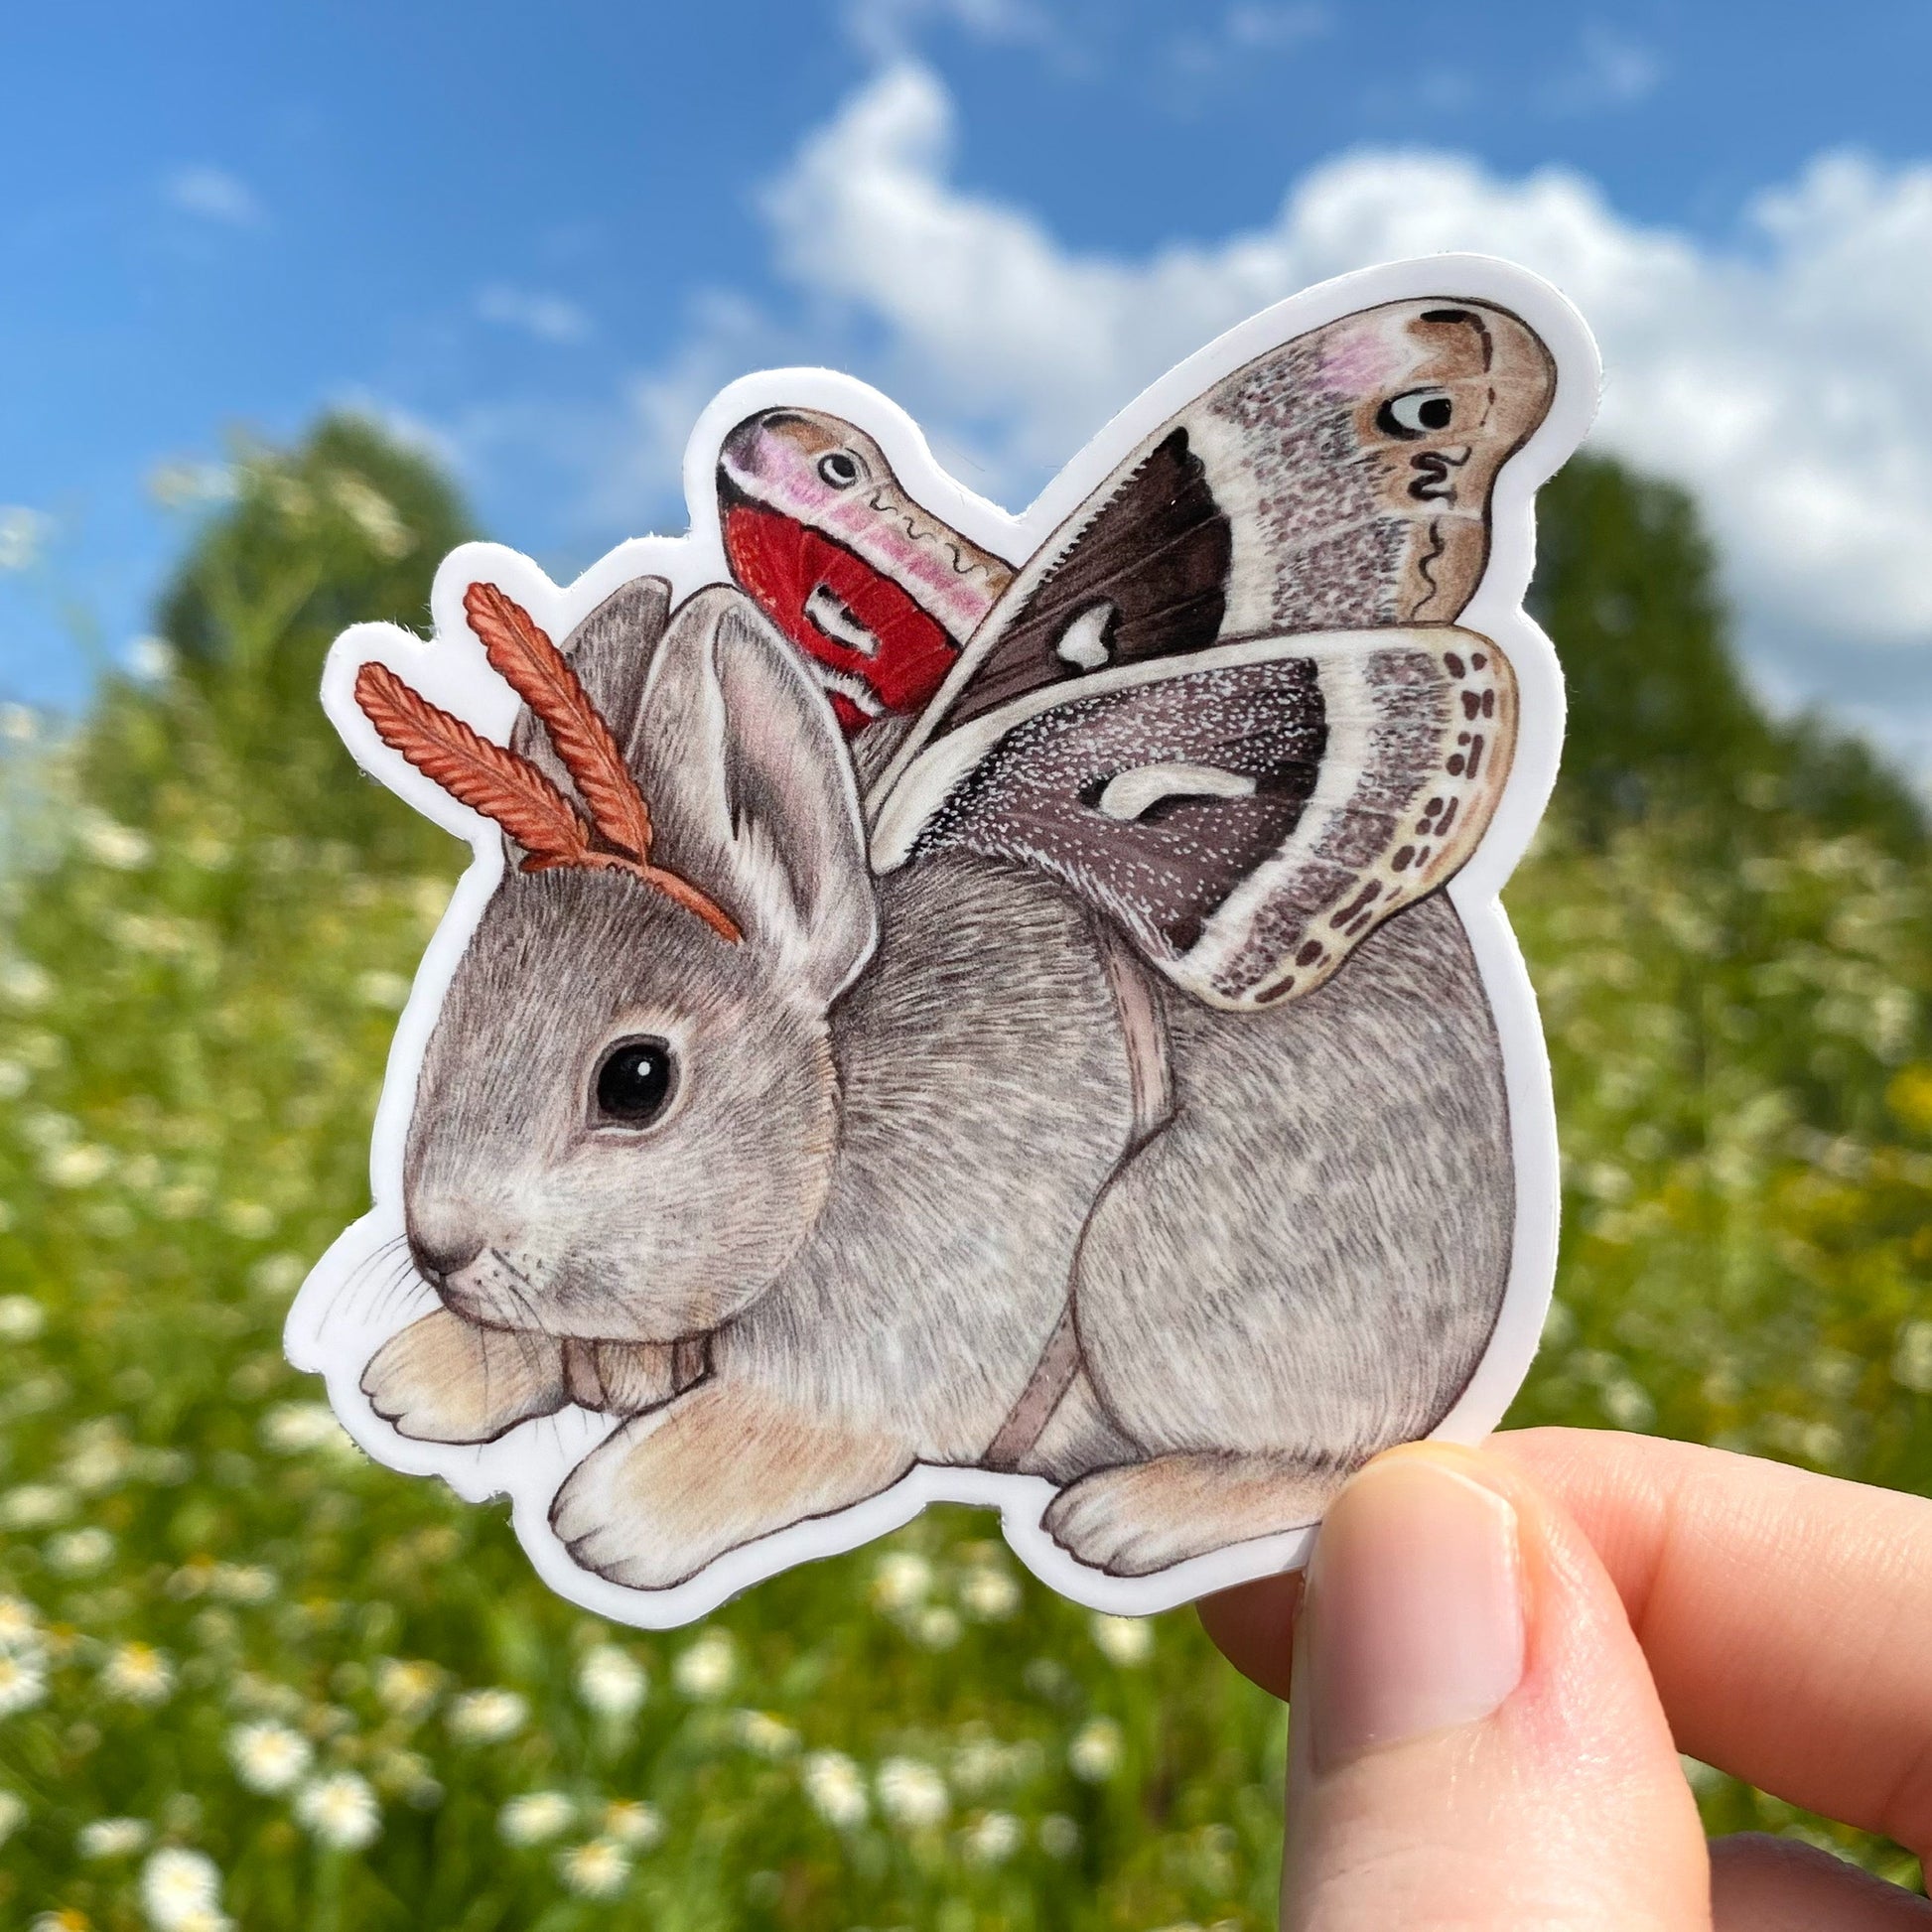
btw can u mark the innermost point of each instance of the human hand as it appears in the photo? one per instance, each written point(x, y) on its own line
point(1502, 1651)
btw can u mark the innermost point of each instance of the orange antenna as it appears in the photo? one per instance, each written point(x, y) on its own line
point(507, 787)
point(541, 675)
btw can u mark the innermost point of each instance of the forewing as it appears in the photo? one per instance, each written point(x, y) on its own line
point(1341, 481)
point(1247, 814)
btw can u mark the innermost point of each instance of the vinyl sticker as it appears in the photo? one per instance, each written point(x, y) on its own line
point(955, 1006)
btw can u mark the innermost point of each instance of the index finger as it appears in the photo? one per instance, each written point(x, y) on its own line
point(1786, 1617)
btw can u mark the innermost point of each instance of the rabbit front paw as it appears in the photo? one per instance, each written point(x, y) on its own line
point(673, 1490)
point(446, 1380)
point(1149, 1516)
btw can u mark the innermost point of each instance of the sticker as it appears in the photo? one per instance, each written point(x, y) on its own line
point(956, 1006)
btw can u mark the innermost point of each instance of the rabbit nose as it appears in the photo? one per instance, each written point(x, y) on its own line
point(441, 1252)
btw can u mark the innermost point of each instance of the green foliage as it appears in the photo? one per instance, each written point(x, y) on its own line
point(348, 528)
point(194, 1005)
point(1660, 719)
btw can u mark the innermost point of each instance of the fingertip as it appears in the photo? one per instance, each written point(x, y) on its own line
point(1253, 1624)
point(1476, 1738)
point(1416, 1598)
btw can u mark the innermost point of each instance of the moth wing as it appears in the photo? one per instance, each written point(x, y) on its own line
point(1341, 481)
point(1247, 813)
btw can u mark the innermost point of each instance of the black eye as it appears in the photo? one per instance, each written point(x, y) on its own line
point(636, 1082)
point(840, 469)
point(1415, 414)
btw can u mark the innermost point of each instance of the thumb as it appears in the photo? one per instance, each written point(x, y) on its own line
point(1476, 1742)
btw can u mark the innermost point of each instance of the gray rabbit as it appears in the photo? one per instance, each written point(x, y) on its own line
point(894, 1133)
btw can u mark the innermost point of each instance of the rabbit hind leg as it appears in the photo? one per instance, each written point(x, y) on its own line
point(1145, 1517)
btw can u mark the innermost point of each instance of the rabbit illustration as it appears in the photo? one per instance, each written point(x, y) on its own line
point(880, 1136)
point(1111, 1094)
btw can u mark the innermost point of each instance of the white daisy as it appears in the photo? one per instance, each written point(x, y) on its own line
point(292, 1428)
point(20, 1624)
point(243, 1582)
point(487, 1717)
point(630, 1823)
point(79, 1165)
point(912, 1793)
point(989, 1592)
point(993, 1837)
point(80, 1553)
point(33, 1505)
point(1124, 1640)
point(599, 1870)
point(12, 1813)
point(611, 1681)
point(21, 1316)
point(837, 1789)
point(982, 1761)
point(758, 1731)
point(112, 1837)
point(938, 1627)
point(138, 1672)
point(23, 983)
point(535, 1818)
point(118, 846)
point(340, 1811)
point(181, 1891)
point(706, 1668)
point(1094, 1754)
point(23, 1681)
point(268, 1756)
point(406, 1687)
point(901, 1579)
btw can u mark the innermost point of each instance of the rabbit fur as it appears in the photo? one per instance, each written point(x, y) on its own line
point(900, 1137)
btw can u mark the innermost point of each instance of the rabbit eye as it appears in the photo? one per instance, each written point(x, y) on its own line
point(636, 1082)
point(1415, 414)
point(840, 469)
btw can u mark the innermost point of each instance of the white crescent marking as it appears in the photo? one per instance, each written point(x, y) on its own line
point(1130, 794)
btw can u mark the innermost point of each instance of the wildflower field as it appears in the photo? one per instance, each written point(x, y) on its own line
point(248, 1679)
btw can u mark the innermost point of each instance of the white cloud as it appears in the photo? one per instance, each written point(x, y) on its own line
point(1610, 71)
point(1245, 32)
point(1275, 28)
point(889, 30)
point(1779, 376)
point(549, 318)
point(214, 194)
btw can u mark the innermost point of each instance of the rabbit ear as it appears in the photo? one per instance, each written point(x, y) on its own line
point(753, 792)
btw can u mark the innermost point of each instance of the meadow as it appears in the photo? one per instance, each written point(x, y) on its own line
point(247, 1678)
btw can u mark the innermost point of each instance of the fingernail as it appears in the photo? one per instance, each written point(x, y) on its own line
point(1414, 1618)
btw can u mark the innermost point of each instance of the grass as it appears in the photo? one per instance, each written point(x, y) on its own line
point(218, 1622)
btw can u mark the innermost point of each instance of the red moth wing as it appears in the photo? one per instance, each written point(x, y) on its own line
point(790, 571)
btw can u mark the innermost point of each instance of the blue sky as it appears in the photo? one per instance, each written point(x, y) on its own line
point(538, 238)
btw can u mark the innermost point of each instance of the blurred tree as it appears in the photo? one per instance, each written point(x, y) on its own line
point(1660, 718)
point(346, 527)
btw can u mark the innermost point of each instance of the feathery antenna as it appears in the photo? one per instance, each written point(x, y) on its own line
point(508, 789)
